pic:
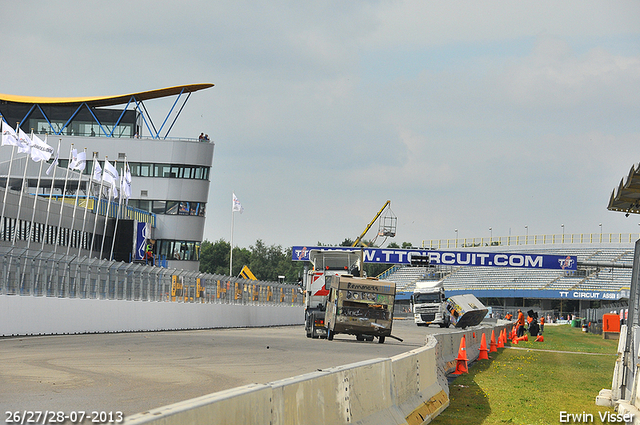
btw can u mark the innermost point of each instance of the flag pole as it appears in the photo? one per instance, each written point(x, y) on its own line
point(6, 189)
point(86, 206)
point(52, 167)
point(97, 209)
point(231, 252)
point(106, 219)
point(75, 203)
point(64, 190)
point(24, 178)
point(115, 227)
point(58, 238)
point(33, 213)
point(33, 218)
point(53, 179)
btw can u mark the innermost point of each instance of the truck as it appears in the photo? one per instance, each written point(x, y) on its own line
point(324, 264)
point(428, 304)
point(359, 306)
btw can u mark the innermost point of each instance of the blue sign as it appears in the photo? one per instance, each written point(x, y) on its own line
point(452, 258)
point(541, 293)
point(143, 232)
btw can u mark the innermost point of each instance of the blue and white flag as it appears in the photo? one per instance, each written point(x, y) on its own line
point(9, 136)
point(237, 206)
point(54, 163)
point(78, 160)
point(24, 142)
point(40, 151)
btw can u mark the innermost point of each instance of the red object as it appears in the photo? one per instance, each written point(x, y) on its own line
point(461, 361)
point(484, 355)
point(501, 339)
point(610, 323)
point(493, 347)
point(540, 338)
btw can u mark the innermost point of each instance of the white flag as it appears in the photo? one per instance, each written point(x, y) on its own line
point(78, 161)
point(126, 180)
point(24, 142)
point(40, 151)
point(111, 176)
point(97, 170)
point(54, 163)
point(237, 206)
point(9, 136)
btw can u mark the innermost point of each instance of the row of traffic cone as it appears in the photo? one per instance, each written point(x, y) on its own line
point(461, 360)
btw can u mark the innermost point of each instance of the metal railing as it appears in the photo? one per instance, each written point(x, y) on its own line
point(43, 274)
point(570, 238)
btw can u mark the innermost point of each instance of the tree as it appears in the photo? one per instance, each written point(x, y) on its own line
point(214, 257)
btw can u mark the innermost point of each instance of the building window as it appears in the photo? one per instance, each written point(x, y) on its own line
point(179, 250)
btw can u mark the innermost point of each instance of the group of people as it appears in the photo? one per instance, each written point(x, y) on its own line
point(535, 328)
point(203, 137)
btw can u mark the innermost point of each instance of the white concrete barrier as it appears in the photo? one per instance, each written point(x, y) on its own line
point(410, 388)
point(249, 404)
point(28, 315)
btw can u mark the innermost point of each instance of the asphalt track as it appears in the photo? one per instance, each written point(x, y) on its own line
point(134, 372)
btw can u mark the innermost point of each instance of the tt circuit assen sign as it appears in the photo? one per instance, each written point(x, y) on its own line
point(452, 258)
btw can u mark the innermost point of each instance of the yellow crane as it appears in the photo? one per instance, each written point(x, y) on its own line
point(387, 227)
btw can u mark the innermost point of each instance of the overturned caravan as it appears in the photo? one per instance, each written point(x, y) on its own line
point(465, 310)
point(359, 306)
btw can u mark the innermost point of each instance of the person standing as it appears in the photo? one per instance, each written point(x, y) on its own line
point(520, 323)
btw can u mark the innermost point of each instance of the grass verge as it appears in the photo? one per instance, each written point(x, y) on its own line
point(524, 385)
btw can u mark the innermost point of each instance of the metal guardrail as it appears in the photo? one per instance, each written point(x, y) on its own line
point(572, 238)
point(42, 274)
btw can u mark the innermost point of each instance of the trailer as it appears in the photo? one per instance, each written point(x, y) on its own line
point(359, 306)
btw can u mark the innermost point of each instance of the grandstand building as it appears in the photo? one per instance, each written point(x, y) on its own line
point(603, 274)
point(170, 177)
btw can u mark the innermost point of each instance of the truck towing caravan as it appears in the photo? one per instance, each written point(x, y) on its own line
point(324, 264)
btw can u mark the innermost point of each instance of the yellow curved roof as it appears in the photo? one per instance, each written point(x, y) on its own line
point(107, 100)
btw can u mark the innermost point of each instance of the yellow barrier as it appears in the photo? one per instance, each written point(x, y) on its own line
point(572, 238)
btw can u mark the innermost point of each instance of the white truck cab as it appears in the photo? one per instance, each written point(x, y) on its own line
point(428, 304)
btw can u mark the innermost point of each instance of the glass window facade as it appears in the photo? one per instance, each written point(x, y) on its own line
point(178, 250)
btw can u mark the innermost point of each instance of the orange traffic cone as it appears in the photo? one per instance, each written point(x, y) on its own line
point(525, 337)
point(501, 339)
point(461, 364)
point(493, 347)
point(539, 338)
point(484, 355)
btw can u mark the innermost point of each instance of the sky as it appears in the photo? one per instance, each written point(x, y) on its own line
point(466, 115)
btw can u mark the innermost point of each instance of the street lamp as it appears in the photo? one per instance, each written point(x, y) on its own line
point(491, 235)
point(456, 230)
point(562, 225)
point(600, 232)
point(526, 228)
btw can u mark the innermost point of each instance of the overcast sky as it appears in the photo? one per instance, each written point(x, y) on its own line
point(466, 115)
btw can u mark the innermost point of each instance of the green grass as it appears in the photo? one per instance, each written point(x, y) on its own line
point(526, 386)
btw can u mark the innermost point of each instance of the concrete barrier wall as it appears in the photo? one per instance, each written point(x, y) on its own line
point(410, 388)
point(27, 315)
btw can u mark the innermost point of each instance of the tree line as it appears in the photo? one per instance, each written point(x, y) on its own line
point(268, 262)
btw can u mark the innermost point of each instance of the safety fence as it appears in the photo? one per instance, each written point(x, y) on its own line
point(554, 239)
point(42, 274)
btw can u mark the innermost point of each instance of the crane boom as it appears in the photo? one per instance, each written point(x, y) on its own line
point(359, 239)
